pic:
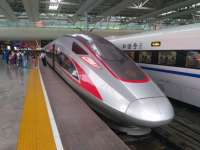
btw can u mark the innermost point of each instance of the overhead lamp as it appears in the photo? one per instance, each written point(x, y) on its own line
point(55, 1)
point(197, 4)
point(8, 47)
point(167, 13)
point(54, 4)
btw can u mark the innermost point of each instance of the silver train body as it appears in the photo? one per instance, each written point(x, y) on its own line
point(177, 68)
point(113, 84)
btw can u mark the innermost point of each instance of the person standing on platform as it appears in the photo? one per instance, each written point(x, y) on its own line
point(11, 58)
point(25, 60)
point(43, 58)
point(18, 55)
point(20, 59)
point(34, 60)
point(7, 56)
point(4, 55)
point(15, 58)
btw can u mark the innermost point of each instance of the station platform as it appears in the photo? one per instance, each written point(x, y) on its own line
point(47, 114)
point(12, 91)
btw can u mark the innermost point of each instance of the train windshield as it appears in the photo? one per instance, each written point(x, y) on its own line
point(118, 62)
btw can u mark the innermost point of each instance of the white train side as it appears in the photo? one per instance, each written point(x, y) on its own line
point(171, 57)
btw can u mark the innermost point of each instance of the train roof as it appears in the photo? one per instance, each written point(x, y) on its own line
point(178, 29)
point(178, 38)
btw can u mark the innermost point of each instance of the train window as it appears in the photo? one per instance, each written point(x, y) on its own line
point(167, 58)
point(58, 53)
point(105, 49)
point(131, 55)
point(60, 58)
point(78, 50)
point(120, 64)
point(68, 65)
point(145, 57)
point(193, 59)
point(154, 58)
point(181, 58)
point(136, 59)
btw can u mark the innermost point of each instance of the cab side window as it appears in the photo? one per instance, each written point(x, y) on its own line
point(69, 66)
point(65, 61)
point(78, 50)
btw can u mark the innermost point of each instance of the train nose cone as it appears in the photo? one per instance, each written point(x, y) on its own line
point(151, 112)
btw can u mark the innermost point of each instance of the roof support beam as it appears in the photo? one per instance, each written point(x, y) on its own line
point(32, 9)
point(7, 10)
point(140, 8)
point(158, 4)
point(166, 9)
point(88, 6)
point(116, 9)
point(178, 14)
point(94, 5)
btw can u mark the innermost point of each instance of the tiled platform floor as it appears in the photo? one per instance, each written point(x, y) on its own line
point(12, 90)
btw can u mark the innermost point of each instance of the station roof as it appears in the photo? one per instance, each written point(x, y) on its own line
point(97, 13)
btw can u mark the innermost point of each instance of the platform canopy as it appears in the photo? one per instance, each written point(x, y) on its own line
point(98, 14)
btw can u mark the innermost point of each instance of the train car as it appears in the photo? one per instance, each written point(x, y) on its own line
point(171, 57)
point(113, 84)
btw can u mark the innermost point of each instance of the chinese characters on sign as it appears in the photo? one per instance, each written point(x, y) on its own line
point(135, 45)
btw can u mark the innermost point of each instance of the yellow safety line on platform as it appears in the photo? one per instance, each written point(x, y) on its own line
point(35, 130)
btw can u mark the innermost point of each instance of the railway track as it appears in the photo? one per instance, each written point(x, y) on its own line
point(183, 133)
point(148, 142)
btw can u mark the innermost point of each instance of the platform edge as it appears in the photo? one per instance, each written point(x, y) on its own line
point(54, 127)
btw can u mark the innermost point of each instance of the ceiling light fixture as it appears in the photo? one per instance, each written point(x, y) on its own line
point(54, 4)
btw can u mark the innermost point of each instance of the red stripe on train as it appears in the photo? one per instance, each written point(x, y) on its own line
point(86, 83)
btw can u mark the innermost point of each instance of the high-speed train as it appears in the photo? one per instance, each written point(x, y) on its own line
point(171, 57)
point(113, 84)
